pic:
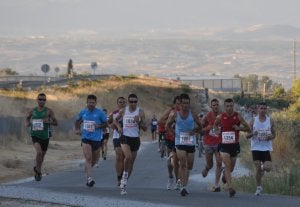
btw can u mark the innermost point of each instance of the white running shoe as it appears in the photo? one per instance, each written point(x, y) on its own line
point(258, 191)
point(123, 191)
point(170, 183)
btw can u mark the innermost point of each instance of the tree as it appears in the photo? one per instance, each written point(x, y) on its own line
point(266, 80)
point(295, 90)
point(279, 92)
point(8, 71)
point(70, 69)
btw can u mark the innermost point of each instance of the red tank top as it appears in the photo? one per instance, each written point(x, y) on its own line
point(228, 134)
point(208, 139)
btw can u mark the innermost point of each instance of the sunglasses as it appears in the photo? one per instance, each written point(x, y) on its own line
point(133, 101)
point(42, 99)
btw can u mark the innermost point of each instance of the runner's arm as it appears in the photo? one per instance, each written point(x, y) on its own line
point(170, 121)
point(52, 120)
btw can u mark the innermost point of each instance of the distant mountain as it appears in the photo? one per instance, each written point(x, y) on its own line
point(260, 32)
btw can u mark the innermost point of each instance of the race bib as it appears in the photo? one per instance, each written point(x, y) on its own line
point(154, 123)
point(228, 137)
point(37, 125)
point(262, 134)
point(129, 122)
point(186, 138)
point(89, 125)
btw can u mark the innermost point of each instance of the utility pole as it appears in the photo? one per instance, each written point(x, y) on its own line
point(295, 66)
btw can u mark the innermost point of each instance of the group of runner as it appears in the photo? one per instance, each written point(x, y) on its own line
point(179, 125)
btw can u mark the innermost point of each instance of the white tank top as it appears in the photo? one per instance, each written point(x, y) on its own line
point(130, 127)
point(259, 142)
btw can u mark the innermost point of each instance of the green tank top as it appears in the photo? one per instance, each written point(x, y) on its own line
point(38, 127)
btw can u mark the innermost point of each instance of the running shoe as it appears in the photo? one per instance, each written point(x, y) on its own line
point(123, 183)
point(170, 183)
point(232, 192)
point(123, 191)
point(215, 189)
point(258, 191)
point(204, 172)
point(37, 175)
point(183, 192)
point(90, 182)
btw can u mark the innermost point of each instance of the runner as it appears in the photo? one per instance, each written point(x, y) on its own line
point(119, 162)
point(153, 127)
point(133, 120)
point(172, 162)
point(262, 134)
point(105, 139)
point(39, 119)
point(92, 120)
point(230, 122)
point(187, 124)
point(211, 142)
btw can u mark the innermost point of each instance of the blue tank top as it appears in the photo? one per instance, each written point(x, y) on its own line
point(183, 130)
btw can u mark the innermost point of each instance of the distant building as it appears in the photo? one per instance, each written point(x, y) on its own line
point(219, 83)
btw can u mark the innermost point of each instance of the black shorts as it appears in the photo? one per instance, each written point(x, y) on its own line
point(153, 130)
point(188, 149)
point(170, 144)
point(105, 136)
point(133, 142)
point(94, 144)
point(116, 142)
point(232, 149)
point(261, 156)
point(44, 143)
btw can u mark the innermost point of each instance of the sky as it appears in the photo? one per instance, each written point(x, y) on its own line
point(18, 17)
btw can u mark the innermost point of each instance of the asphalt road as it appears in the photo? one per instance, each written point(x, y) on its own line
point(146, 187)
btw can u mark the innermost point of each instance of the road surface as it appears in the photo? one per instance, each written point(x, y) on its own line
point(146, 187)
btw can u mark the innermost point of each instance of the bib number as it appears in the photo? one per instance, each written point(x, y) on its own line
point(186, 138)
point(89, 126)
point(37, 125)
point(262, 135)
point(228, 137)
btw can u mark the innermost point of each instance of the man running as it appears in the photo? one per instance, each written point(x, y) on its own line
point(133, 120)
point(92, 120)
point(211, 142)
point(153, 127)
point(262, 134)
point(39, 119)
point(119, 162)
point(172, 162)
point(230, 124)
point(187, 124)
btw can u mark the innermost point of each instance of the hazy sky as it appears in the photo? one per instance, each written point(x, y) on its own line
point(59, 16)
